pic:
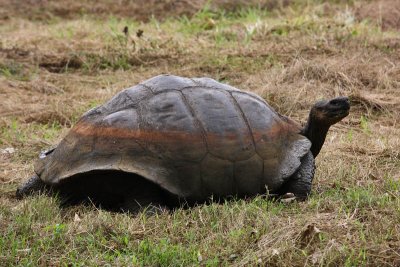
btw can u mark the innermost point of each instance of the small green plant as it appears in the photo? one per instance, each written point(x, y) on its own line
point(350, 135)
point(205, 19)
point(365, 125)
point(58, 229)
point(17, 71)
point(165, 253)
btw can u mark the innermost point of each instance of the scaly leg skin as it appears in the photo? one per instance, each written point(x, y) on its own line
point(34, 184)
point(300, 183)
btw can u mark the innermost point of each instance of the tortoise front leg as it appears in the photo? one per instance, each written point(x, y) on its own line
point(300, 183)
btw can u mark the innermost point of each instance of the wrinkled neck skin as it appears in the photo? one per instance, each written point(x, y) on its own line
point(315, 132)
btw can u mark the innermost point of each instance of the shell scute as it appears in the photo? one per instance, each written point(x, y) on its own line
point(190, 181)
point(266, 128)
point(277, 140)
point(225, 129)
point(208, 82)
point(249, 176)
point(164, 82)
point(128, 98)
point(217, 176)
point(168, 123)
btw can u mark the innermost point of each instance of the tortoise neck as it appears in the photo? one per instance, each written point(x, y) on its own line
point(316, 133)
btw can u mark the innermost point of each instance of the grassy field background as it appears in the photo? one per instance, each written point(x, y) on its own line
point(58, 59)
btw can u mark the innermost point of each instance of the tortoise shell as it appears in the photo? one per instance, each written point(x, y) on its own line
point(192, 137)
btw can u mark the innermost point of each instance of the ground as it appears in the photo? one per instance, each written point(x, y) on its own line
point(58, 60)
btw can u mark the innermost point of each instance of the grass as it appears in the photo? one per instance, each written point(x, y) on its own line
point(56, 66)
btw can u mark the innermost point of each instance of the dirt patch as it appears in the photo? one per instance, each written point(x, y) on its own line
point(385, 13)
point(58, 64)
point(138, 10)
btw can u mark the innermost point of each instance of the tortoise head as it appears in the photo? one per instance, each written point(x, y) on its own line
point(324, 114)
point(329, 112)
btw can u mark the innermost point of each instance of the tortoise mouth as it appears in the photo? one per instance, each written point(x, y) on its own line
point(341, 113)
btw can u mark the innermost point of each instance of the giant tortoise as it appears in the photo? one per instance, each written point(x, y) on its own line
point(175, 141)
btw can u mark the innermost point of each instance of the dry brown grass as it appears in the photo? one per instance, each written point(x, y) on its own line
point(54, 70)
point(385, 13)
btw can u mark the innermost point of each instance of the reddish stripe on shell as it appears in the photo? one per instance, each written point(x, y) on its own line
point(86, 129)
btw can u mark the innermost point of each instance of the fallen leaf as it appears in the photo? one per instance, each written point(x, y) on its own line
point(275, 252)
point(7, 150)
point(233, 256)
point(288, 200)
point(309, 235)
point(76, 218)
point(24, 250)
